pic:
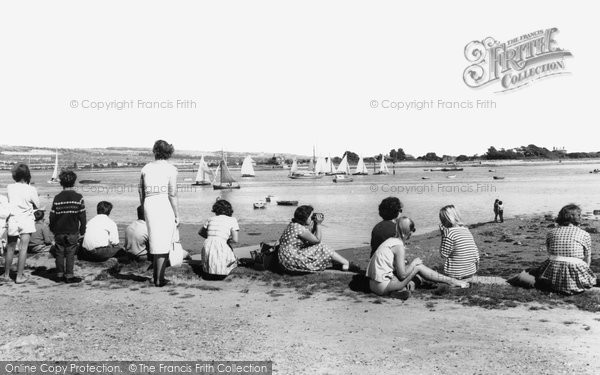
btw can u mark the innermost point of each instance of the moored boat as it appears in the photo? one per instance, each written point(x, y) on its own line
point(259, 204)
point(287, 203)
point(498, 177)
point(342, 178)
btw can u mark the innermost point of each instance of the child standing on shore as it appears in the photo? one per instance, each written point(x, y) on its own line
point(458, 248)
point(23, 199)
point(501, 211)
point(67, 222)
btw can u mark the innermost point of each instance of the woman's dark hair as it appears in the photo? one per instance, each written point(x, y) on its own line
point(67, 179)
point(20, 172)
point(38, 215)
point(569, 214)
point(222, 207)
point(302, 214)
point(140, 213)
point(104, 208)
point(390, 208)
point(162, 150)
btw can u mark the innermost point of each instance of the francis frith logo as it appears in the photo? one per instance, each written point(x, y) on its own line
point(515, 63)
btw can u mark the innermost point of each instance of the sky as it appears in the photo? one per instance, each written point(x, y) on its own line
point(281, 76)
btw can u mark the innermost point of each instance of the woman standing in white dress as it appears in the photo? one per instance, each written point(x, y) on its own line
point(158, 196)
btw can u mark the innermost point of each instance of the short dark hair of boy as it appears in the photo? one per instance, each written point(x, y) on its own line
point(302, 214)
point(390, 208)
point(222, 207)
point(569, 214)
point(38, 214)
point(67, 179)
point(20, 172)
point(140, 212)
point(162, 150)
point(104, 208)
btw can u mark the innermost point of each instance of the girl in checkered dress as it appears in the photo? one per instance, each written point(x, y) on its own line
point(300, 247)
point(567, 269)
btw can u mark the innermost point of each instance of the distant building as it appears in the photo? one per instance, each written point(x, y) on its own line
point(559, 150)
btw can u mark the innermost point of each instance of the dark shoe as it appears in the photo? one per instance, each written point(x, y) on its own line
point(162, 283)
point(73, 280)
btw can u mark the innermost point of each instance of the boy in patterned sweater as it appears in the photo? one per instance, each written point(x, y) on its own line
point(67, 222)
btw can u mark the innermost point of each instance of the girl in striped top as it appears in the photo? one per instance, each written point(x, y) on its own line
point(458, 248)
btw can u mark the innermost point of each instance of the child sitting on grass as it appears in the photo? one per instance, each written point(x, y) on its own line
point(41, 240)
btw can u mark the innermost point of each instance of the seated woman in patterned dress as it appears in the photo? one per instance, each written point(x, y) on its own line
point(300, 247)
point(388, 270)
point(567, 269)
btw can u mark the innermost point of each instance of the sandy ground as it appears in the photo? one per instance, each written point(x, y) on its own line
point(329, 332)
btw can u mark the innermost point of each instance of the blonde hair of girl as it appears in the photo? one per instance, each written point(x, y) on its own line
point(450, 217)
point(404, 227)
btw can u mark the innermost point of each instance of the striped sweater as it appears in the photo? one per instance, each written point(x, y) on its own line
point(460, 253)
point(67, 215)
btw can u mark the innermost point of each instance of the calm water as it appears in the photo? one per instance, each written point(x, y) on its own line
point(351, 208)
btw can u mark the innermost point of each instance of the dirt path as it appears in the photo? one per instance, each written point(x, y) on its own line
point(324, 333)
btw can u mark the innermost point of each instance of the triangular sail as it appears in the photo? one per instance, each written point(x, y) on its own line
point(311, 165)
point(343, 168)
point(294, 167)
point(330, 167)
point(205, 174)
point(361, 167)
point(383, 169)
point(226, 177)
point(321, 166)
point(55, 172)
point(247, 168)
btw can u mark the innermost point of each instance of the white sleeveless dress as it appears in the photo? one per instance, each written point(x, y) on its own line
point(159, 179)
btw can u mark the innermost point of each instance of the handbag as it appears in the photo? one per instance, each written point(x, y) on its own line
point(177, 253)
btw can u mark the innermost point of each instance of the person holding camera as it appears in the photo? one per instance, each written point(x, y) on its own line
point(300, 247)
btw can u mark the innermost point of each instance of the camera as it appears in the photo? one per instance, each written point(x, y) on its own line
point(318, 216)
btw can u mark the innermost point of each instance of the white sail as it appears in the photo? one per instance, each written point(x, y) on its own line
point(205, 174)
point(343, 168)
point(54, 178)
point(383, 169)
point(247, 168)
point(330, 168)
point(321, 166)
point(294, 168)
point(361, 167)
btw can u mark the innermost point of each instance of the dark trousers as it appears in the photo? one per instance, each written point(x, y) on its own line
point(64, 250)
point(101, 254)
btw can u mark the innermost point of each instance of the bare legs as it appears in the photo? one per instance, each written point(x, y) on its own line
point(341, 260)
point(10, 252)
point(431, 275)
point(160, 264)
point(382, 288)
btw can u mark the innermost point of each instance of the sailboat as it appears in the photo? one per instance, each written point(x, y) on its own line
point(383, 169)
point(343, 172)
point(343, 168)
point(224, 180)
point(310, 175)
point(247, 168)
point(330, 169)
point(361, 168)
point(205, 175)
point(54, 178)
